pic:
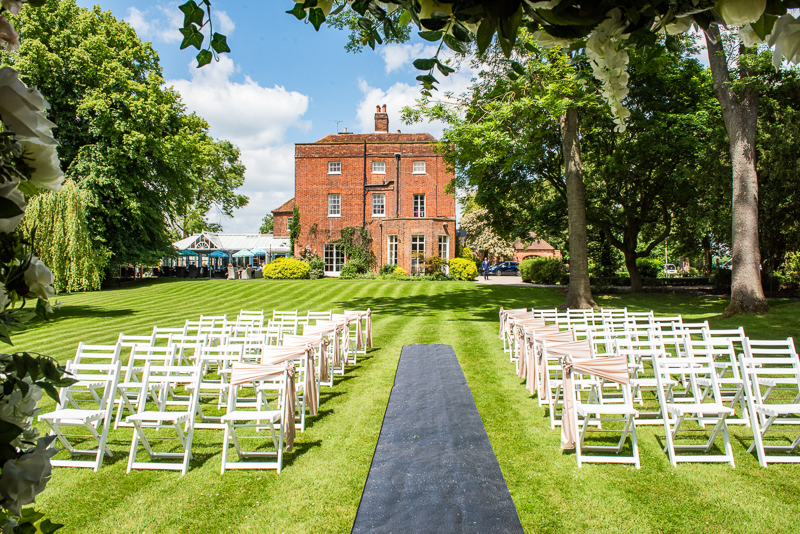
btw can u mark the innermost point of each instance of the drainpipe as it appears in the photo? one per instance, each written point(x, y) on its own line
point(364, 190)
point(397, 185)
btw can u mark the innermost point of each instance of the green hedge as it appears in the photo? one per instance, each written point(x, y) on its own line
point(625, 281)
point(542, 270)
point(649, 267)
point(286, 269)
point(462, 269)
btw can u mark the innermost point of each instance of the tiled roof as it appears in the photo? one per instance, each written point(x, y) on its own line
point(537, 244)
point(286, 206)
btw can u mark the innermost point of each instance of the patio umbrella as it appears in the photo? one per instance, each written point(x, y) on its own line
point(244, 253)
point(187, 252)
point(217, 254)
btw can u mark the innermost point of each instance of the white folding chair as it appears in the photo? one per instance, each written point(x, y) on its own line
point(79, 406)
point(278, 315)
point(597, 413)
point(640, 354)
point(215, 367)
point(726, 366)
point(771, 373)
point(238, 419)
point(131, 382)
point(706, 409)
point(162, 418)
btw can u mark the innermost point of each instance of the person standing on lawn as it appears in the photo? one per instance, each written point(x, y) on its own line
point(485, 266)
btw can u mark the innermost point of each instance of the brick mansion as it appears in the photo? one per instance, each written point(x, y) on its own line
point(391, 183)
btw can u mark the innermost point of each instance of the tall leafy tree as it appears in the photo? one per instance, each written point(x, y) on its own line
point(266, 224)
point(123, 136)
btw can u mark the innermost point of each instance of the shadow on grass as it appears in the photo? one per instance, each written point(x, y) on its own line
point(300, 448)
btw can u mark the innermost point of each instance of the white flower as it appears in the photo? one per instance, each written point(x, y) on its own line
point(785, 38)
point(4, 300)
point(545, 40)
point(609, 61)
point(20, 411)
point(47, 172)
point(748, 37)
point(26, 477)
point(679, 25)
point(21, 108)
point(39, 279)
point(12, 6)
point(8, 35)
point(9, 190)
point(738, 12)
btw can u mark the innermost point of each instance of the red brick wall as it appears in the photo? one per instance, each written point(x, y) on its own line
point(313, 184)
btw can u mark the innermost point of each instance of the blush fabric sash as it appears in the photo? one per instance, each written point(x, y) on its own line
point(535, 380)
point(359, 315)
point(614, 368)
point(326, 330)
point(504, 316)
point(277, 355)
point(244, 373)
point(315, 340)
point(339, 344)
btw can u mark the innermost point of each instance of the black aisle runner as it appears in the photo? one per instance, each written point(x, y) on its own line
point(434, 469)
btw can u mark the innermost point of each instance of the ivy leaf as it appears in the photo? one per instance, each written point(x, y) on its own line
point(316, 17)
point(204, 58)
point(191, 37)
point(8, 208)
point(298, 11)
point(431, 36)
point(424, 64)
point(25, 528)
point(219, 43)
point(192, 14)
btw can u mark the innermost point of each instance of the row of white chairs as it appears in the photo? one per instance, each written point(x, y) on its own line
point(695, 373)
point(165, 377)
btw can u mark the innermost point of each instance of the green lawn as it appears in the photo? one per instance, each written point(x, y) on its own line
point(320, 486)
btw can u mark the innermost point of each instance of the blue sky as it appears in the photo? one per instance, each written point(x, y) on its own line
point(283, 83)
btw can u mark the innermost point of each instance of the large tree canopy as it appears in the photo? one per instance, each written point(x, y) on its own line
point(123, 136)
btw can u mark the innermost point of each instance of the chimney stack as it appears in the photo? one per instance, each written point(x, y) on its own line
point(381, 120)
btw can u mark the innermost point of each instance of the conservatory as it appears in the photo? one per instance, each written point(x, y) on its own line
point(208, 254)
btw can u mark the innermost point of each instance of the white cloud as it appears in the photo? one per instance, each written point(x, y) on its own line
point(400, 56)
point(255, 119)
point(401, 95)
point(161, 22)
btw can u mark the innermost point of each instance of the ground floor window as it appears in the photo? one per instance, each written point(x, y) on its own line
point(334, 258)
point(392, 250)
point(417, 254)
point(444, 251)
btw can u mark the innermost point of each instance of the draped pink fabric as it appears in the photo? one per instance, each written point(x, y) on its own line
point(315, 340)
point(276, 355)
point(525, 328)
point(535, 378)
point(337, 328)
point(614, 368)
point(327, 330)
point(504, 316)
point(244, 373)
point(359, 329)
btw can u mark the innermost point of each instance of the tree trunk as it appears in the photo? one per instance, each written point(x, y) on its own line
point(579, 294)
point(740, 114)
point(706, 255)
point(633, 271)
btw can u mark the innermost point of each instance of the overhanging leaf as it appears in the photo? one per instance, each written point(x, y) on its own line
point(298, 12)
point(431, 36)
point(316, 17)
point(455, 45)
point(192, 14)
point(9, 431)
point(191, 37)
point(424, 64)
point(8, 208)
point(485, 34)
point(204, 58)
point(219, 43)
point(519, 69)
point(763, 26)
